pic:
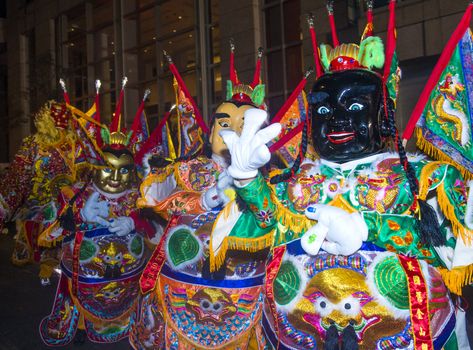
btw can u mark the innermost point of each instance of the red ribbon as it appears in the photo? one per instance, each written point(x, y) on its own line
point(153, 268)
point(418, 303)
point(272, 270)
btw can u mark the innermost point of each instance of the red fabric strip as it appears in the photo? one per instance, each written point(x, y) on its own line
point(282, 141)
point(391, 40)
point(277, 118)
point(418, 303)
point(183, 86)
point(153, 268)
point(437, 72)
point(154, 139)
point(272, 270)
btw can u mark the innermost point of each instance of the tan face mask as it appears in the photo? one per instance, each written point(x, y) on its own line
point(227, 117)
point(117, 176)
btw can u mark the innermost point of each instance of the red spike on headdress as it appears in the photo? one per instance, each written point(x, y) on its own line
point(116, 121)
point(332, 23)
point(64, 91)
point(369, 19)
point(257, 75)
point(315, 49)
point(233, 75)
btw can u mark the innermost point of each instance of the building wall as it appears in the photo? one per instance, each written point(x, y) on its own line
point(36, 60)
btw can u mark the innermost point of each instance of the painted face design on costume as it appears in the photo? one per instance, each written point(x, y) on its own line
point(228, 116)
point(211, 305)
point(118, 175)
point(346, 115)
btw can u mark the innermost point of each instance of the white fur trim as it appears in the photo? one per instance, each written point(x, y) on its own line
point(223, 225)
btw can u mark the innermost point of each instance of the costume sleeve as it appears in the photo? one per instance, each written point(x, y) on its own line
point(447, 183)
point(15, 186)
point(252, 229)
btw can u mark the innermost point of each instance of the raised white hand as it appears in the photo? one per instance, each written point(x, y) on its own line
point(95, 211)
point(249, 151)
point(337, 231)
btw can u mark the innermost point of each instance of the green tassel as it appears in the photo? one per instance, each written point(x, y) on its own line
point(324, 58)
point(371, 53)
point(229, 90)
point(105, 133)
point(257, 96)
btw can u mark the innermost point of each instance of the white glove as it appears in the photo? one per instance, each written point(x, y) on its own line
point(249, 151)
point(215, 195)
point(95, 211)
point(343, 232)
point(122, 225)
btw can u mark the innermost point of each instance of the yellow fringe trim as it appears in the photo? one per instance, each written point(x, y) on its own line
point(297, 223)
point(457, 278)
point(427, 170)
point(435, 153)
point(251, 245)
point(459, 230)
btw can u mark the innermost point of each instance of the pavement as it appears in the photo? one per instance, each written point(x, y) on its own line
point(24, 303)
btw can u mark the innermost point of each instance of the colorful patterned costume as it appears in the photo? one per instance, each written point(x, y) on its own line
point(307, 290)
point(183, 306)
point(30, 188)
point(103, 250)
point(380, 281)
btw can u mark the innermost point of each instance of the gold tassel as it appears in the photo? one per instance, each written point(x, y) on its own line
point(457, 278)
point(435, 153)
point(251, 245)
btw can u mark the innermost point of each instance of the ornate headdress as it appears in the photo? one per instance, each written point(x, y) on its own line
point(239, 91)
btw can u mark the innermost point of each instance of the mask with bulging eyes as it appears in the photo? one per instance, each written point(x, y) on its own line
point(346, 109)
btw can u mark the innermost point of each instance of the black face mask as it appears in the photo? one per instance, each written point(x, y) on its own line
point(346, 115)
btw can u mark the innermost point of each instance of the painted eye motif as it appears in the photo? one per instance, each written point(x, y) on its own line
point(107, 170)
point(356, 107)
point(322, 110)
point(205, 304)
point(217, 306)
point(224, 124)
point(124, 171)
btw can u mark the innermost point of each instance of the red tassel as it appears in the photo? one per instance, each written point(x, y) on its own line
point(315, 48)
point(369, 19)
point(437, 72)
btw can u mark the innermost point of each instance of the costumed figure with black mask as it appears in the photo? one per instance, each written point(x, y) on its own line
point(183, 305)
point(360, 260)
point(29, 189)
point(102, 236)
